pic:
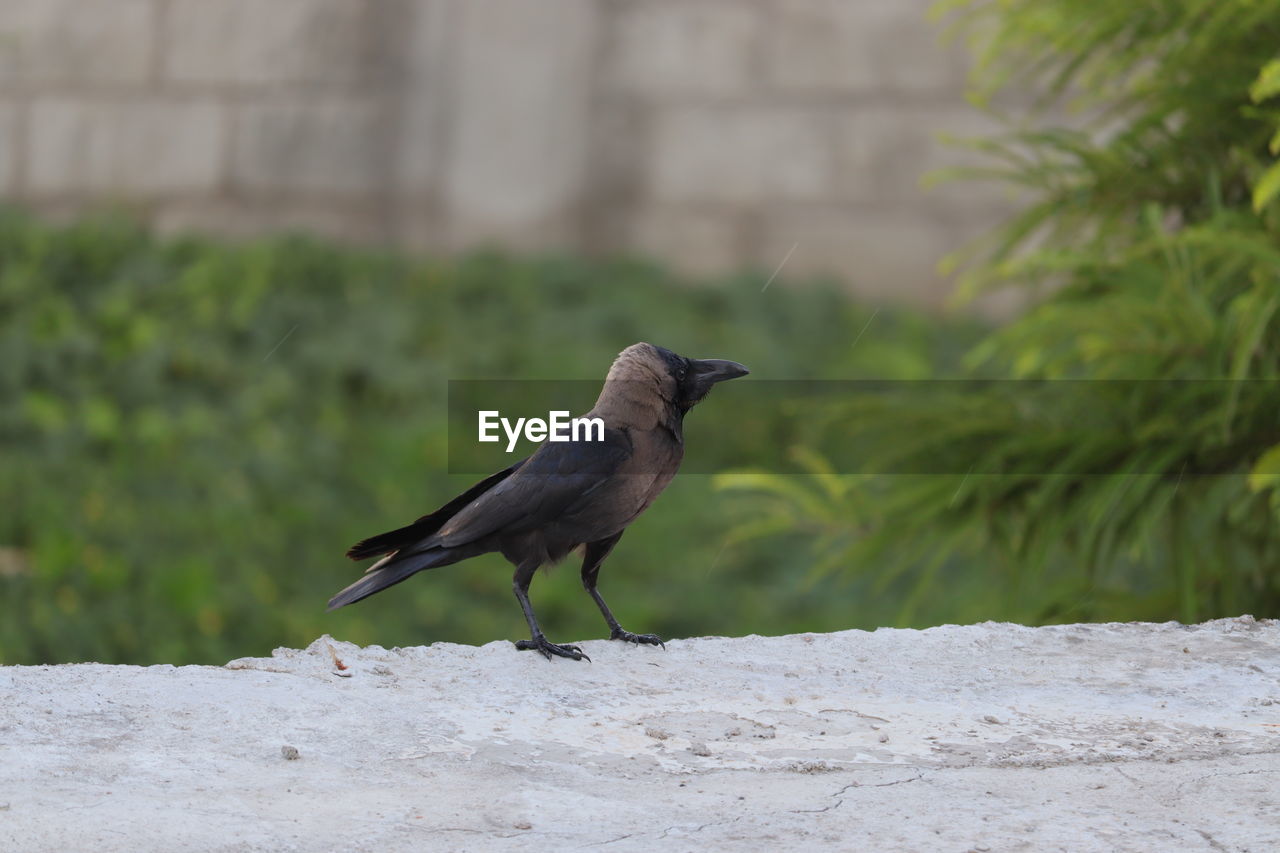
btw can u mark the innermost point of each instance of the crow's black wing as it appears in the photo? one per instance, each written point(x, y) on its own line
point(393, 540)
point(556, 480)
point(550, 483)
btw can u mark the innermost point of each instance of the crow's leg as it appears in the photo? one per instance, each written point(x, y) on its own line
point(539, 642)
point(594, 556)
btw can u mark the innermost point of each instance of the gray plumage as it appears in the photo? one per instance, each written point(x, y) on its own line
point(565, 495)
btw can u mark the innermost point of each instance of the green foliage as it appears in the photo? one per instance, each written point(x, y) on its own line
point(194, 433)
point(1149, 249)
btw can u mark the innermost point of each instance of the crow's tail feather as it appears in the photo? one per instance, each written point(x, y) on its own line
point(392, 540)
point(392, 571)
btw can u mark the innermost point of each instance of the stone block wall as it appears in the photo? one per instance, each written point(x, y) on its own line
point(714, 134)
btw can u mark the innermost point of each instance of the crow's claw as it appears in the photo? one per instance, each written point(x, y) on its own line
point(547, 649)
point(638, 639)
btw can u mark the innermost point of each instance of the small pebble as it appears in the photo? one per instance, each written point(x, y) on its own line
point(991, 719)
point(699, 748)
point(524, 824)
point(289, 753)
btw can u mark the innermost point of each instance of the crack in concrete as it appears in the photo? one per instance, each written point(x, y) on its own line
point(610, 841)
point(487, 832)
point(841, 792)
point(834, 805)
point(1213, 842)
point(1257, 772)
point(670, 829)
point(1142, 788)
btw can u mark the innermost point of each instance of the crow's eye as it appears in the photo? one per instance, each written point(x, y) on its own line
point(681, 373)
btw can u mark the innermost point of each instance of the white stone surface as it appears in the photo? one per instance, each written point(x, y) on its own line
point(986, 737)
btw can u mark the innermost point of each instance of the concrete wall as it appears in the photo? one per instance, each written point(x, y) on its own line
point(1087, 738)
point(711, 133)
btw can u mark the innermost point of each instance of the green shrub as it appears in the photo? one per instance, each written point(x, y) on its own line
point(193, 434)
point(1149, 249)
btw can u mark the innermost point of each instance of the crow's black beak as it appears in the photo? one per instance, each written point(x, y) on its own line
point(712, 370)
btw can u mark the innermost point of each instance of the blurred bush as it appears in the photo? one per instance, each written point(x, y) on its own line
point(1150, 249)
point(193, 433)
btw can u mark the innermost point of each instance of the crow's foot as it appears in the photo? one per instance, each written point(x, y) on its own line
point(548, 649)
point(638, 639)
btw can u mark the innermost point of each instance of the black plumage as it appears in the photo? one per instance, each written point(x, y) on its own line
point(565, 495)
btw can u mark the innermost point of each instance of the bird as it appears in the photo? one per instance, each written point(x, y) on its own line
point(581, 493)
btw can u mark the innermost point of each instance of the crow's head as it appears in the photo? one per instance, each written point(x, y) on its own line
point(645, 370)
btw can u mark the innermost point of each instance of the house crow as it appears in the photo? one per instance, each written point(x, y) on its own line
point(567, 494)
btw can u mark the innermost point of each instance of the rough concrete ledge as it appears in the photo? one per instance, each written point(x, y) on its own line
point(985, 737)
